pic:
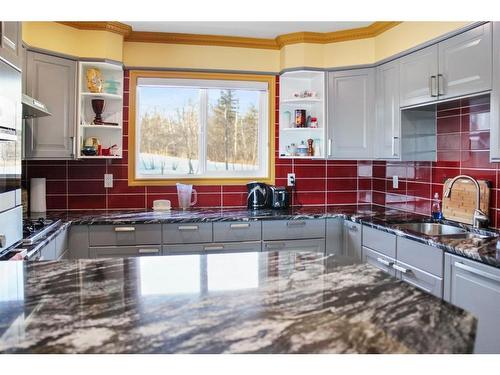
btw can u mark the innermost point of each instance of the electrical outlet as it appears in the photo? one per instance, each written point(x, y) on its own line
point(108, 180)
point(290, 179)
point(395, 182)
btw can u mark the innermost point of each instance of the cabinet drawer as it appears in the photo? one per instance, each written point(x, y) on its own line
point(420, 279)
point(380, 241)
point(293, 229)
point(313, 245)
point(136, 234)
point(427, 258)
point(378, 260)
point(187, 233)
point(124, 251)
point(238, 231)
point(213, 248)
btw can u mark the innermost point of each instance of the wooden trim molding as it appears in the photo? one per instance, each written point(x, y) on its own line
point(136, 74)
point(114, 27)
point(277, 43)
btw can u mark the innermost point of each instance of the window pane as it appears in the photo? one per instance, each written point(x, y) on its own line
point(168, 119)
point(233, 131)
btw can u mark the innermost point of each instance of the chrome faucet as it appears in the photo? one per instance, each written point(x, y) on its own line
point(479, 216)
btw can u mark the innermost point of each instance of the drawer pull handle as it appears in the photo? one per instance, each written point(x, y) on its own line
point(125, 229)
point(418, 286)
point(212, 248)
point(296, 223)
point(188, 227)
point(149, 251)
point(240, 226)
point(401, 269)
point(477, 272)
point(385, 262)
point(275, 246)
point(353, 228)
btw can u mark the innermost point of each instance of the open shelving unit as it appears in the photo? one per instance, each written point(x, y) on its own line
point(292, 84)
point(108, 135)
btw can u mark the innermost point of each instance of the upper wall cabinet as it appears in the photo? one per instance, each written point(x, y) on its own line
point(351, 113)
point(388, 114)
point(495, 97)
point(51, 80)
point(10, 42)
point(465, 63)
point(458, 66)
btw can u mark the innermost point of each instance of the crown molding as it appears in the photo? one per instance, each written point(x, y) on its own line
point(114, 27)
point(370, 31)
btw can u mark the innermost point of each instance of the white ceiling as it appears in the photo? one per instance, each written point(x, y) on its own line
point(245, 29)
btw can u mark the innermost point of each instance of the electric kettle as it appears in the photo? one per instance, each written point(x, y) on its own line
point(258, 195)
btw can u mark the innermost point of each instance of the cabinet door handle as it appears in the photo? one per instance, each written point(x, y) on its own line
point(418, 286)
point(440, 84)
point(296, 223)
point(385, 262)
point(329, 147)
point(213, 248)
point(432, 86)
point(394, 153)
point(401, 269)
point(475, 271)
point(148, 251)
point(188, 227)
point(124, 229)
point(275, 246)
point(239, 226)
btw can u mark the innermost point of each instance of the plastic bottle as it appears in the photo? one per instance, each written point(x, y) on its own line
point(436, 208)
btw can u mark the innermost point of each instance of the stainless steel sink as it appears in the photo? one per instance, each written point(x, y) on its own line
point(432, 229)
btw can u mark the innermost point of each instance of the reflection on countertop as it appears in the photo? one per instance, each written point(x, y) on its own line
point(266, 302)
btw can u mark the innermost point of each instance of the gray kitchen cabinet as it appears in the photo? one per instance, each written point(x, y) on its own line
point(351, 244)
point(418, 278)
point(475, 287)
point(61, 241)
point(124, 251)
point(48, 251)
point(316, 245)
point(10, 42)
point(351, 113)
point(425, 257)
point(51, 80)
point(187, 233)
point(418, 77)
point(123, 235)
point(212, 248)
point(388, 114)
point(495, 97)
point(379, 260)
point(465, 63)
point(293, 229)
point(237, 231)
point(334, 235)
point(380, 241)
point(78, 239)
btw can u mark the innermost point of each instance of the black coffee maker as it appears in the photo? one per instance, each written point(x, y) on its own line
point(258, 195)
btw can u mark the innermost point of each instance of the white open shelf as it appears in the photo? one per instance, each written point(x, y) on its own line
point(108, 135)
point(291, 84)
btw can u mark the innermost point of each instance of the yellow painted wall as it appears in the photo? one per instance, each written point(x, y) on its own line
point(102, 44)
point(68, 40)
point(200, 57)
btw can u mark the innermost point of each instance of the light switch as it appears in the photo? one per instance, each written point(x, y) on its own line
point(395, 182)
point(108, 180)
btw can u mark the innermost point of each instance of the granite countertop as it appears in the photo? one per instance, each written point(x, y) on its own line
point(266, 302)
point(372, 215)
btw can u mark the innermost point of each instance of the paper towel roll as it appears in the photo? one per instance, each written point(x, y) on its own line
point(38, 201)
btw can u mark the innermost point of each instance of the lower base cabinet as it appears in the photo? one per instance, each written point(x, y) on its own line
point(312, 245)
point(475, 287)
point(418, 278)
point(124, 251)
point(212, 248)
point(379, 260)
point(351, 240)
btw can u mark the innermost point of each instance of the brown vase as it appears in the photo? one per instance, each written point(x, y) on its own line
point(98, 107)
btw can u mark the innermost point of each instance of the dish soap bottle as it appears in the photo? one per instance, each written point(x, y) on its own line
point(436, 208)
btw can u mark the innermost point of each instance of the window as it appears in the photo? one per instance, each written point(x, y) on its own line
point(201, 128)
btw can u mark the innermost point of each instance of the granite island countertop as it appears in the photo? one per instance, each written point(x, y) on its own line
point(266, 302)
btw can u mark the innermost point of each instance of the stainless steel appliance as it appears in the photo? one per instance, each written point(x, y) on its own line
point(258, 195)
point(280, 197)
point(34, 229)
point(10, 156)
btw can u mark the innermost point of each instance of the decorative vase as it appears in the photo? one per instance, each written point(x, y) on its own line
point(98, 107)
point(94, 80)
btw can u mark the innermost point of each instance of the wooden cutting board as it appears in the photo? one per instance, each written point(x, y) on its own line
point(461, 204)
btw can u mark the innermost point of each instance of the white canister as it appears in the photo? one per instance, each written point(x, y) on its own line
point(38, 201)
